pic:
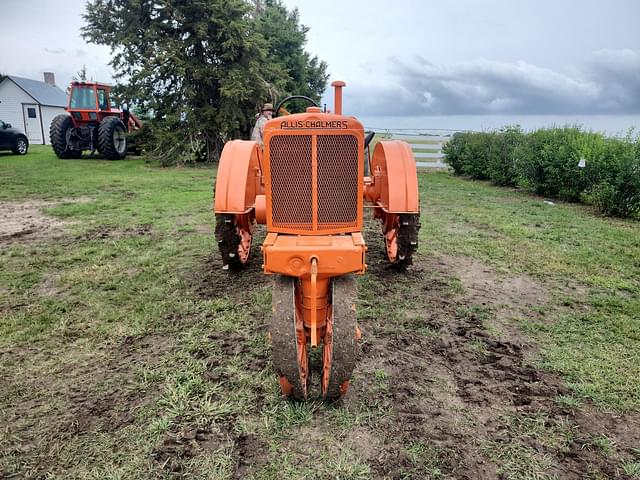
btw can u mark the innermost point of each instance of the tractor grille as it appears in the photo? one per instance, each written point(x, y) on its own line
point(290, 161)
point(337, 181)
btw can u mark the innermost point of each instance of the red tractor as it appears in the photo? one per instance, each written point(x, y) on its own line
point(93, 124)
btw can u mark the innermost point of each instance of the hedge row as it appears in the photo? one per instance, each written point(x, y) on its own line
point(547, 162)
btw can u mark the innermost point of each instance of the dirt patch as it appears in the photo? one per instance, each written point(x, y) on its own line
point(189, 442)
point(484, 287)
point(209, 280)
point(506, 297)
point(50, 286)
point(203, 229)
point(25, 221)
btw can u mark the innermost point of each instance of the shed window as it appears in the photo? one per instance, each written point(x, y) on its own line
point(31, 112)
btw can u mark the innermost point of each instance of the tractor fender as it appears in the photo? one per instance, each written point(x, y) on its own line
point(394, 178)
point(239, 177)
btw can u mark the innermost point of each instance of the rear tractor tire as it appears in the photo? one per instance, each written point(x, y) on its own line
point(400, 232)
point(234, 234)
point(112, 139)
point(59, 133)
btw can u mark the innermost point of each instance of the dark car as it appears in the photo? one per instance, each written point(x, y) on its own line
point(13, 139)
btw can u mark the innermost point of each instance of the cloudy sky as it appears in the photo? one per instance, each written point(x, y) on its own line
point(406, 58)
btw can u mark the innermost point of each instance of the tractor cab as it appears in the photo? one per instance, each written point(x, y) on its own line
point(90, 102)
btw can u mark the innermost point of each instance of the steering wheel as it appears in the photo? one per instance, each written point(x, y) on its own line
point(293, 97)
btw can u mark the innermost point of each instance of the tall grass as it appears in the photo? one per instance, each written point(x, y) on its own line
point(547, 162)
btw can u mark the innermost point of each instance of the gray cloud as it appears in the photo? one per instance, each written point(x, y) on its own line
point(609, 82)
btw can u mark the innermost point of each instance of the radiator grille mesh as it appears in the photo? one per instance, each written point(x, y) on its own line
point(290, 160)
point(337, 181)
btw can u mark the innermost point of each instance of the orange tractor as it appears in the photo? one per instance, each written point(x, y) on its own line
point(308, 185)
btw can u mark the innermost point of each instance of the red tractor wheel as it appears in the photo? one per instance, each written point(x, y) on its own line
point(288, 340)
point(112, 140)
point(340, 339)
point(234, 234)
point(59, 134)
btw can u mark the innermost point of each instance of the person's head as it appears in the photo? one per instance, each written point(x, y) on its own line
point(267, 110)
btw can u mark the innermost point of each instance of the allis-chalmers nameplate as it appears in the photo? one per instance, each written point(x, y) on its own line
point(302, 124)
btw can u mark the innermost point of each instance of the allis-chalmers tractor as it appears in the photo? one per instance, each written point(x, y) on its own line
point(308, 185)
point(92, 124)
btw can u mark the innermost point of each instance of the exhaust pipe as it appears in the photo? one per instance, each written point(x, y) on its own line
point(337, 102)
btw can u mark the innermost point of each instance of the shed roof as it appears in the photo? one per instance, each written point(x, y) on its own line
point(42, 92)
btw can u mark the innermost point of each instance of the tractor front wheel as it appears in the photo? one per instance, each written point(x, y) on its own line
point(340, 339)
point(112, 140)
point(59, 133)
point(288, 340)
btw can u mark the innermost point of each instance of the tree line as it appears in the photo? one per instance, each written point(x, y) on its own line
point(200, 69)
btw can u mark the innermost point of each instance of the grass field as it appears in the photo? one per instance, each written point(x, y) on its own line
point(511, 349)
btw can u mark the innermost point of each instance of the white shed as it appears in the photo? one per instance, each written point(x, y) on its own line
point(30, 105)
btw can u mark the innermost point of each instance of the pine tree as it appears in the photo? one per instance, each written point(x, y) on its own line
point(81, 76)
point(291, 70)
point(202, 66)
point(195, 64)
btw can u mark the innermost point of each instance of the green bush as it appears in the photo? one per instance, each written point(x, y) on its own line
point(454, 150)
point(486, 155)
point(616, 189)
point(546, 162)
point(139, 141)
point(501, 161)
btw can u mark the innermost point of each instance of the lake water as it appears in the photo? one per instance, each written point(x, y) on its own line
point(613, 125)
